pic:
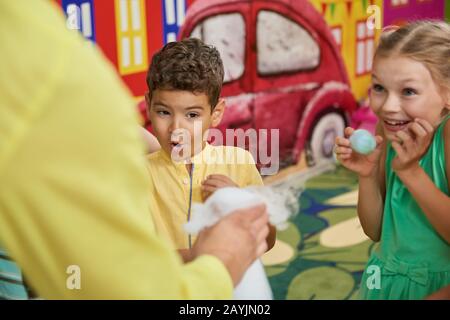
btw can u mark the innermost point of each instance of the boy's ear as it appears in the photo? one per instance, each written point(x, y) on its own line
point(148, 99)
point(217, 113)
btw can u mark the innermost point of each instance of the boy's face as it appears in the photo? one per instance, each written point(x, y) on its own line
point(175, 113)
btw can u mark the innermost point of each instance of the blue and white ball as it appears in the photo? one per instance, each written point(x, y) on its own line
point(362, 141)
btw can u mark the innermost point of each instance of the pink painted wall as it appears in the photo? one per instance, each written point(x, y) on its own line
point(414, 10)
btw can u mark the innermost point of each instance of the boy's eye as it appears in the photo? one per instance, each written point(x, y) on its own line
point(162, 112)
point(409, 92)
point(191, 115)
point(377, 88)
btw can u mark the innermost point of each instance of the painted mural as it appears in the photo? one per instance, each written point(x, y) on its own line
point(302, 67)
point(447, 10)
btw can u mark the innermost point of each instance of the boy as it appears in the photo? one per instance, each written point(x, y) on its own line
point(184, 82)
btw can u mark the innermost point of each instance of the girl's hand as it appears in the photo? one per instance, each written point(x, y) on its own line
point(214, 182)
point(412, 145)
point(364, 165)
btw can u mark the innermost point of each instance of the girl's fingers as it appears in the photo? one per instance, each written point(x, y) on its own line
point(404, 137)
point(418, 130)
point(340, 141)
point(397, 139)
point(399, 149)
point(348, 131)
point(344, 156)
point(425, 124)
point(342, 150)
point(379, 140)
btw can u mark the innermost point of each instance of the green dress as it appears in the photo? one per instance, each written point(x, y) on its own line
point(411, 260)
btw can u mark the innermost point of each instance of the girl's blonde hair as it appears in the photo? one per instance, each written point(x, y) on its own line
point(426, 41)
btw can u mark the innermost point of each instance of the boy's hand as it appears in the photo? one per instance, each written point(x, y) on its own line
point(412, 145)
point(364, 165)
point(214, 182)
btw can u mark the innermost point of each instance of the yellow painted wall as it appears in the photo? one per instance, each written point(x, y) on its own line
point(337, 14)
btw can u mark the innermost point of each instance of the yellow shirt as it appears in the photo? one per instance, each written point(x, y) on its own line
point(74, 187)
point(170, 194)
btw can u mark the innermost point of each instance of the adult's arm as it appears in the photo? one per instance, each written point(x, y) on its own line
point(73, 185)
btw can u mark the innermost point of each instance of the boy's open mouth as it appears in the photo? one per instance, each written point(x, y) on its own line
point(176, 145)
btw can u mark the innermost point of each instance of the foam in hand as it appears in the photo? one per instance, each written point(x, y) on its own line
point(254, 284)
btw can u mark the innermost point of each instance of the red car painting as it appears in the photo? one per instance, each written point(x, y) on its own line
point(283, 70)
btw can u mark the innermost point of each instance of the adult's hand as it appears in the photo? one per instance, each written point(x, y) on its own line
point(237, 240)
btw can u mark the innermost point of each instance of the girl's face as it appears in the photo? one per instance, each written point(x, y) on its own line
point(402, 90)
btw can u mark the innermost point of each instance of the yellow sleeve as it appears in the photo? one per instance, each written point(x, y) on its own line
point(73, 188)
